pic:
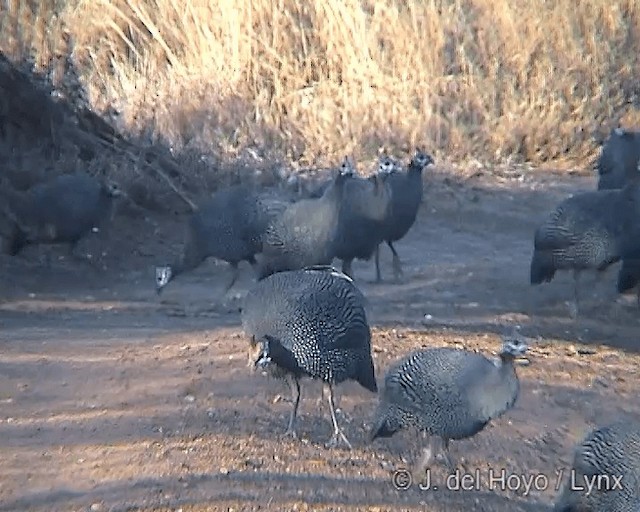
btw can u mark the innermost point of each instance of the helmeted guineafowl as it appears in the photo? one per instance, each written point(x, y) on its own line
point(365, 207)
point(618, 159)
point(605, 475)
point(406, 198)
point(629, 273)
point(585, 232)
point(305, 233)
point(447, 393)
point(61, 210)
point(228, 226)
point(312, 323)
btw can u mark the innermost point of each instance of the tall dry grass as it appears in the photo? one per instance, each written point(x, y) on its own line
point(486, 79)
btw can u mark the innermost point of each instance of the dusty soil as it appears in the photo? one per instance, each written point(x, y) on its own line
point(112, 398)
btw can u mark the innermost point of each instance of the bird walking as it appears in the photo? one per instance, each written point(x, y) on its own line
point(305, 233)
point(365, 207)
point(62, 210)
point(228, 226)
point(406, 197)
point(605, 475)
point(447, 394)
point(310, 323)
point(618, 159)
point(587, 231)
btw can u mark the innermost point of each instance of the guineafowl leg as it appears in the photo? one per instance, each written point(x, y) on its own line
point(574, 306)
point(378, 274)
point(424, 461)
point(295, 392)
point(234, 276)
point(397, 266)
point(338, 435)
point(444, 453)
point(437, 448)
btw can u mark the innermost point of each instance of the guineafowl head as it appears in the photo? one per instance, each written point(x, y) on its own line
point(420, 160)
point(346, 168)
point(513, 346)
point(164, 274)
point(387, 422)
point(386, 166)
point(259, 353)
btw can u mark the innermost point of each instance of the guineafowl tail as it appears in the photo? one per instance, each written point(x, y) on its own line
point(628, 276)
point(542, 267)
point(367, 376)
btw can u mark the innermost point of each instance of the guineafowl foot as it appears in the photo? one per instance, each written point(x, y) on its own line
point(338, 439)
point(234, 277)
point(445, 459)
point(290, 433)
point(338, 435)
point(377, 261)
point(398, 273)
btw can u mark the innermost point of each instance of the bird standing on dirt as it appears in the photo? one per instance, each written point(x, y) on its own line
point(587, 231)
point(228, 226)
point(305, 233)
point(607, 460)
point(618, 159)
point(447, 394)
point(312, 323)
point(365, 207)
point(61, 210)
point(406, 198)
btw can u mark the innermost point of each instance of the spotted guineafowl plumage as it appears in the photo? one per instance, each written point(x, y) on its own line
point(618, 159)
point(406, 198)
point(363, 214)
point(585, 232)
point(312, 323)
point(305, 233)
point(608, 460)
point(228, 226)
point(447, 394)
point(61, 210)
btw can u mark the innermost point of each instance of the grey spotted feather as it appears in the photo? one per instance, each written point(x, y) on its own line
point(310, 323)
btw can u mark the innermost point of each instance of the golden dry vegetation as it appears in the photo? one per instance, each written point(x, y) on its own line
point(484, 79)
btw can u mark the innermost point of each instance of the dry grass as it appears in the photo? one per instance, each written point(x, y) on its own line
point(488, 79)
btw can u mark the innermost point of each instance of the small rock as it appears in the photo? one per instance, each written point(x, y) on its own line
point(96, 506)
point(190, 398)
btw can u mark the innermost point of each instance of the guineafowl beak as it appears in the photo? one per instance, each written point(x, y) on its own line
point(263, 358)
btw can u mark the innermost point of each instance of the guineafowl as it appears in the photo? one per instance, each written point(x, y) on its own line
point(61, 210)
point(629, 273)
point(228, 226)
point(618, 159)
point(586, 231)
point(406, 198)
point(447, 394)
point(606, 471)
point(305, 233)
point(312, 323)
point(363, 213)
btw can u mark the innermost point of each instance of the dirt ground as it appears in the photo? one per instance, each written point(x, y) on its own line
point(112, 398)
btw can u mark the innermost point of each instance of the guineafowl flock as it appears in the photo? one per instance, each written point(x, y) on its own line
point(305, 319)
